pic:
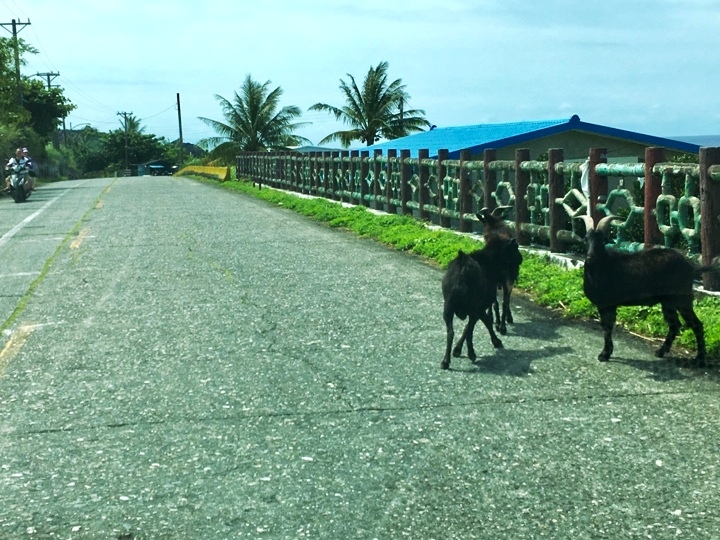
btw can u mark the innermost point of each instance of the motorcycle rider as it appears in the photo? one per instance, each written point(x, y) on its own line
point(30, 164)
point(20, 158)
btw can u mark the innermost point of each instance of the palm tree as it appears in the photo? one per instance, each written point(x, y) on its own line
point(253, 121)
point(131, 123)
point(376, 110)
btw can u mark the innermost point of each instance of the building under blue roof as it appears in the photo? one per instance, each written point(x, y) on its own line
point(574, 136)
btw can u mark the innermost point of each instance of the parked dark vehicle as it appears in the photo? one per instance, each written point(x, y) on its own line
point(158, 170)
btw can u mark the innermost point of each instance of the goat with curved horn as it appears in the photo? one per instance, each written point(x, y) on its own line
point(499, 211)
point(614, 278)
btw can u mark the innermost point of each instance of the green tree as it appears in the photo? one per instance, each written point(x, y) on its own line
point(11, 111)
point(253, 121)
point(47, 106)
point(32, 122)
point(88, 149)
point(377, 110)
point(140, 148)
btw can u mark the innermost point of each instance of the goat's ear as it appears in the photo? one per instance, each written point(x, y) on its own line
point(483, 214)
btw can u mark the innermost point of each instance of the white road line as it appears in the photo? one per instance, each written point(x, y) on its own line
point(17, 228)
point(19, 274)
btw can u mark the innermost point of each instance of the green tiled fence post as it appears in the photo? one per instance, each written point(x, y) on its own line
point(653, 190)
point(710, 212)
point(598, 184)
point(442, 172)
point(345, 176)
point(405, 189)
point(490, 177)
point(556, 190)
point(465, 195)
point(364, 172)
point(522, 180)
point(377, 168)
point(390, 208)
point(423, 176)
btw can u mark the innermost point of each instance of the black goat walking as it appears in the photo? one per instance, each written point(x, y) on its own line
point(469, 289)
point(653, 276)
point(498, 236)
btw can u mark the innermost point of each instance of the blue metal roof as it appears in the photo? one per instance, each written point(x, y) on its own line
point(481, 136)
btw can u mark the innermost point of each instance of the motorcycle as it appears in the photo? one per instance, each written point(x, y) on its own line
point(18, 180)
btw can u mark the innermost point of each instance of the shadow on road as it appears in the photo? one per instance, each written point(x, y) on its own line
point(544, 329)
point(512, 362)
point(670, 369)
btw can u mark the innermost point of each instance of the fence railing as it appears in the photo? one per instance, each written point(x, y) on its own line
point(661, 203)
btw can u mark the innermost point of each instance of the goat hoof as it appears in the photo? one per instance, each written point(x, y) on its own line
point(498, 344)
point(445, 364)
point(660, 352)
point(503, 330)
point(603, 357)
point(457, 353)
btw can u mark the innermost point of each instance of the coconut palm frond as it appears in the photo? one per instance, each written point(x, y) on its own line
point(254, 119)
point(373, 111)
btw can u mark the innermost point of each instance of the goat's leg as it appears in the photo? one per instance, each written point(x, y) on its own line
point(488, 322)
point(467, 337)
point(506, 315)
point(507, 291)
point(607, 321)
point(450, 335)
point(457, 350)
point(671, 318)
point(499, 319)
point(688, 314)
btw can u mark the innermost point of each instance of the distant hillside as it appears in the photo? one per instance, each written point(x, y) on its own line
point(193, 149)
point(701, 140)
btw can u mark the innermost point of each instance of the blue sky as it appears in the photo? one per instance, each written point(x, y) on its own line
point(649, 66)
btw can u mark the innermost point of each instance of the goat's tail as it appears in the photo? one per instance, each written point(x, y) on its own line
point(713, 267)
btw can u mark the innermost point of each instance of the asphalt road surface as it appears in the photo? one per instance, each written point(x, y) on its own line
point(183, 362)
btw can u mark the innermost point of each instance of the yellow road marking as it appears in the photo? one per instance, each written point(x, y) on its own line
point(81, 236)
point(13, 346)
point(99, 204)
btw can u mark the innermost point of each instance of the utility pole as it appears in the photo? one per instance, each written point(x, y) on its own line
point(56, 138)
point(16, 46)
point(47, 76)
point(180, 128)
point(125, 125)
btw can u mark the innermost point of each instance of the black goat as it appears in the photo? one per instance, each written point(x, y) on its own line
point(496, 232)
point(654, 276)
point(469, 289)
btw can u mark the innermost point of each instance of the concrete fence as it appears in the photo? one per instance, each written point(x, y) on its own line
point(671, 204)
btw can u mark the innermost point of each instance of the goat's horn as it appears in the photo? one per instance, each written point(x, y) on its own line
point(604, 224)
point(589, 225)
point(499, 211)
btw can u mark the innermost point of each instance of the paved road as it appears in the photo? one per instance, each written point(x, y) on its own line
point(184, 362)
